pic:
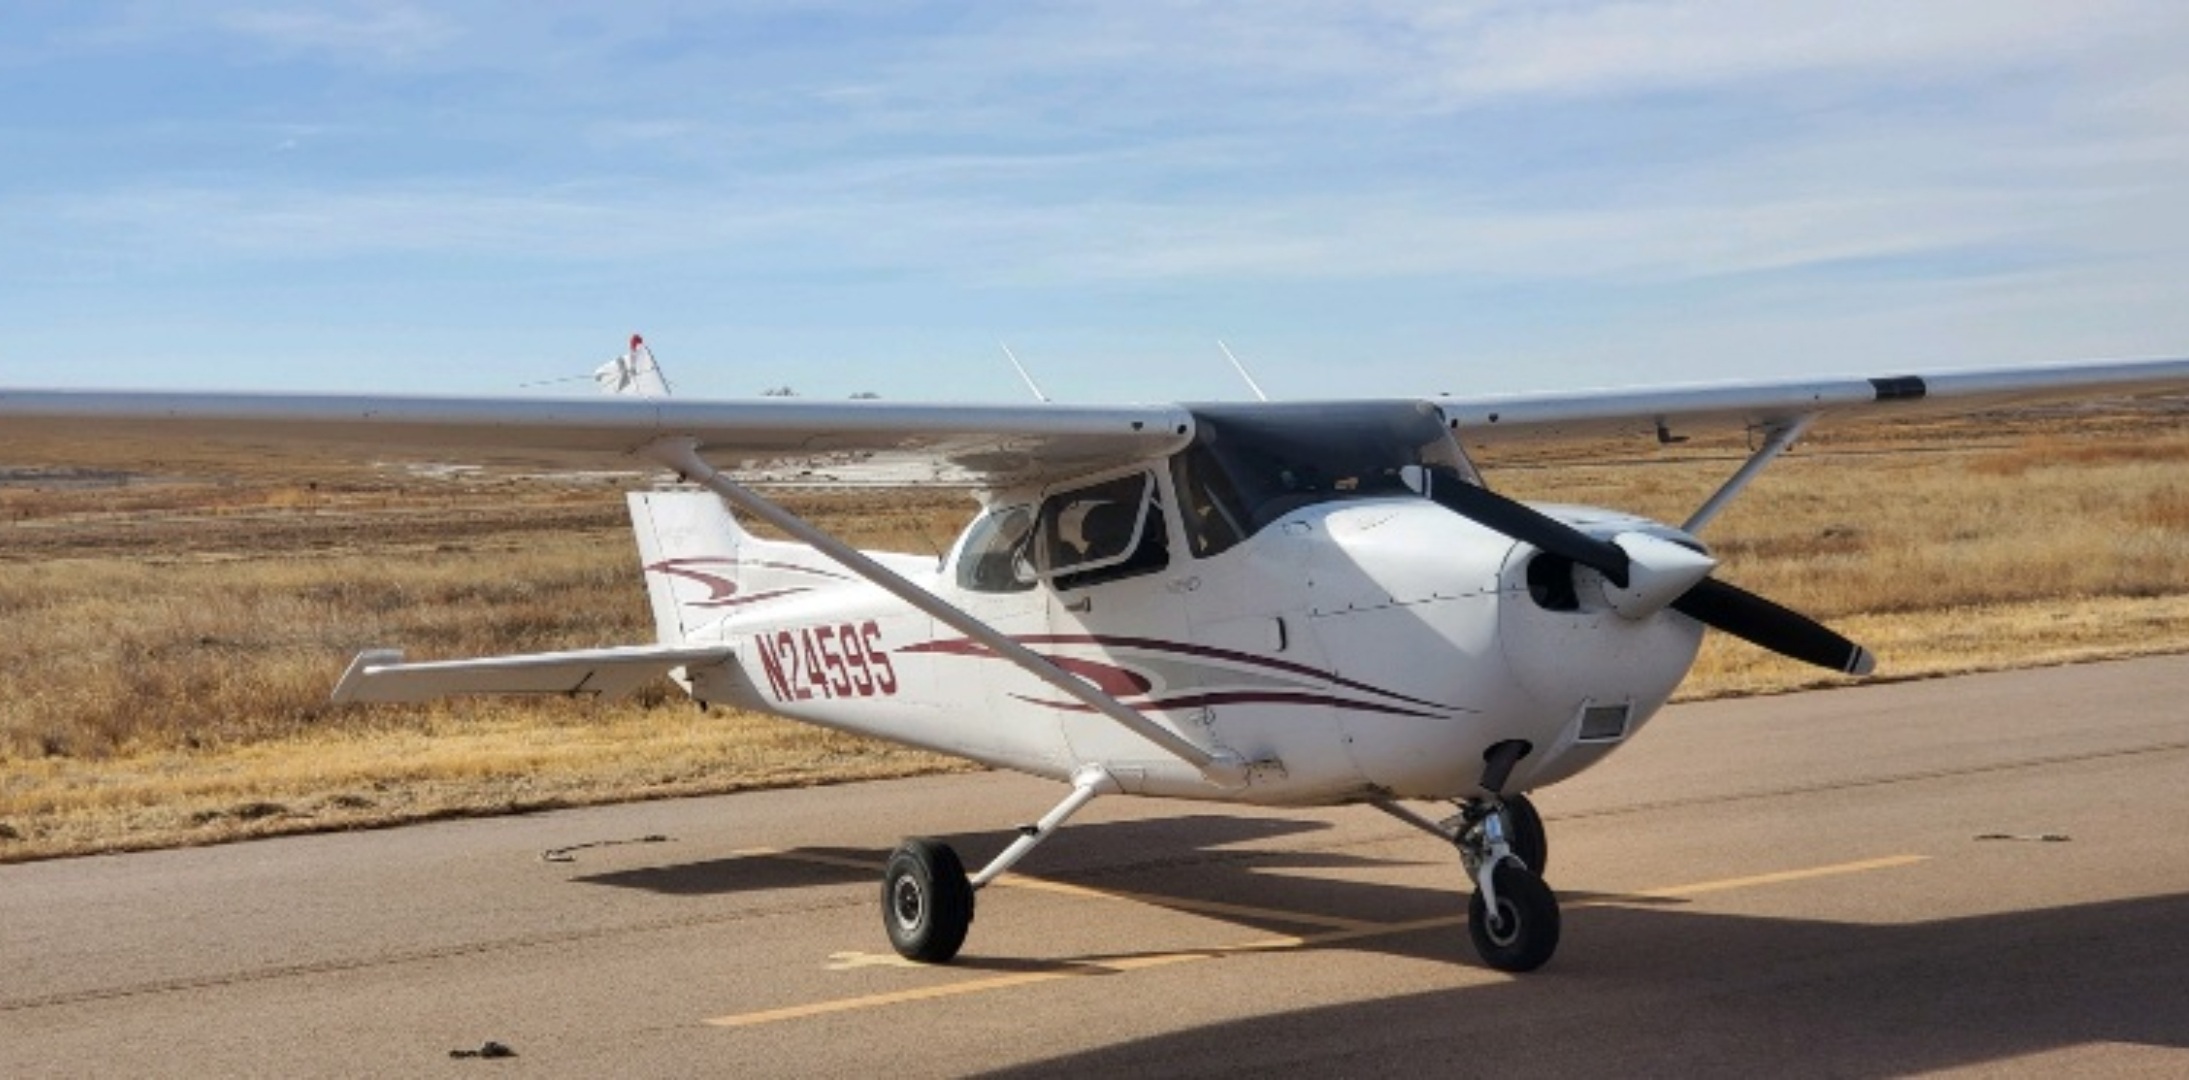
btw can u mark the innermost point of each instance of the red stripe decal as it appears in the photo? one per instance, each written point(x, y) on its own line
point(967, 647)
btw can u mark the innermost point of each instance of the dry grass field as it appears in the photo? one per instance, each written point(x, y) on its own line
point(173, 623)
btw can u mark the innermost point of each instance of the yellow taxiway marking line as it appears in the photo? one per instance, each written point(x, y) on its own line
point(1073, 969)
point(1069, 970)
point(1889, 862)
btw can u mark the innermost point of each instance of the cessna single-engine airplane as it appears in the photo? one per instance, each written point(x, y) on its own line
point(1292, 604)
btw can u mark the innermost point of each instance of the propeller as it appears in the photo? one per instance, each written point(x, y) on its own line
point(1661, 576)
point(1782, 630)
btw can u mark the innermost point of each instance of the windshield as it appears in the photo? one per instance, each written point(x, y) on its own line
point(1252, 464)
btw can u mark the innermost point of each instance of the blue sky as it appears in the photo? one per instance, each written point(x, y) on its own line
point(1362, 199)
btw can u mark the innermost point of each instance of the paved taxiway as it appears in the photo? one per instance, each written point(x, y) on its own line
point(1790, 884)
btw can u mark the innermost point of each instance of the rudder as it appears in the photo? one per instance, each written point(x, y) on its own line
point(688, 544)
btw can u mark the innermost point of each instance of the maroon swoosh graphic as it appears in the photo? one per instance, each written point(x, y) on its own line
point(752, 599)
point(720, 588)
point(1108, 678)
point(800, 568)
point(1111, 679)
point(968, 647)
point(1244, 697)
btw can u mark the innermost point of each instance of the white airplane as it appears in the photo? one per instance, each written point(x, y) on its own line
point(1289, 604)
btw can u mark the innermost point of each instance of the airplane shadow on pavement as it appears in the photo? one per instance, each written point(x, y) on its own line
point(1663, 992)
point(1247, 862)
point(1641, 986)
point(1087, 854)
point(1219, 866)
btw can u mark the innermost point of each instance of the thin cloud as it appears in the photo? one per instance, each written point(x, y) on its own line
point(392, 33)
point(1627, 48)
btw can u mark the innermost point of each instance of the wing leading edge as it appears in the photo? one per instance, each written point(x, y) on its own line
point(979, 445)
point(880, 442)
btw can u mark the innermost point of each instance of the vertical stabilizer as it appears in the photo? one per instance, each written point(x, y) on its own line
point(689, 546)
point(635, 373)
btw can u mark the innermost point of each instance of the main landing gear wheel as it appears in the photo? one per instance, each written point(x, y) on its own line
point(927, 902)
point(1522, 933)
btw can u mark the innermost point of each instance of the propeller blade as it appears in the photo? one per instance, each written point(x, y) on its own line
point(1531, 526)
point(1758, 621)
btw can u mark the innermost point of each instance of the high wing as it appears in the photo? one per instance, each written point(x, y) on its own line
point(858, 441)
point(982, 445)
point(1776, 405)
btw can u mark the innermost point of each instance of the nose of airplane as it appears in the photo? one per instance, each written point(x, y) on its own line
point(1478, 639)
point(1597, 659)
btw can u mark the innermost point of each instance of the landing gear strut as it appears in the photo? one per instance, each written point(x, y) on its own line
point(1513, 918)
point(927, 899)
point(1524, 834)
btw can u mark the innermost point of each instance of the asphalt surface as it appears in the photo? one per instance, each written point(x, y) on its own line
point(1794, 885)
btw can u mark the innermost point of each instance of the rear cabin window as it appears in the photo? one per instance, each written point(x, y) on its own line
point(994, 557)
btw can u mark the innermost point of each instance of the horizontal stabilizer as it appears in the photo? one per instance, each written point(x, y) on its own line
point(381, 674)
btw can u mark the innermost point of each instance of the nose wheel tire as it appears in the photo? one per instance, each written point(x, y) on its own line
point(1522, 933)
point(927, 902)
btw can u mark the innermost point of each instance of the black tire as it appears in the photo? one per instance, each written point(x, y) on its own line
point(1525, 835)
point(927, 902)
point(1525, 932)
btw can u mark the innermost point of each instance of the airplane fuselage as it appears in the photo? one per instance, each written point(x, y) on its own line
point(1368, 648)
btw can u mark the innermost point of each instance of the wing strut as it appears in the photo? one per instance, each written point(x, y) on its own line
point(1222, 768)
point(1781, 436)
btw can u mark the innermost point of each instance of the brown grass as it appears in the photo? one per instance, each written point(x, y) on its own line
point(173, 631)
point(1839, 528)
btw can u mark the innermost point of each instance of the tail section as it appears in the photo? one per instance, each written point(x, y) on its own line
point(690, 547)
point(633, 373)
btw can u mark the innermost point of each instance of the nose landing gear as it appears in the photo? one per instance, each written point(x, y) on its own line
point(1513, 917)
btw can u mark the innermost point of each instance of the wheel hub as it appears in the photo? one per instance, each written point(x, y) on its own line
point(1504, 924)
point(906, 903)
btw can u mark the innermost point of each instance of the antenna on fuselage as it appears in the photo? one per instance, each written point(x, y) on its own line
point(1242, 370)
point(1021, 369)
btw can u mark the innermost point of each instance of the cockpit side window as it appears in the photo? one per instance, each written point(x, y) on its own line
point(994, 557)
point(1101, 532)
